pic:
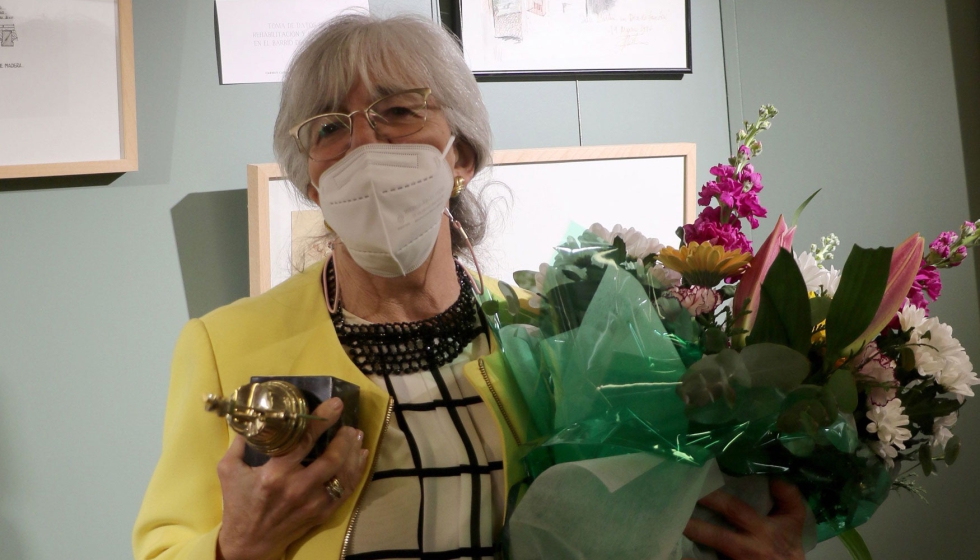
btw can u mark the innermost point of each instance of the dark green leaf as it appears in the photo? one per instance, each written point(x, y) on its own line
point(844, 389)
point(856, 301)
point(773, 365)
point(714, 340)
point(819, 306)
point(906, 358)
point(952, 450)
point(855, 545)
point(925, 459)
point(784, 307)
point(799, 211)
point(525, 279)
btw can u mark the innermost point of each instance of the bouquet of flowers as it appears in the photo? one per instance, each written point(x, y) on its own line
point(646, 370)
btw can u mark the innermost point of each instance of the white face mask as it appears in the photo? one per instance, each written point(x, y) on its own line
point(385, 202)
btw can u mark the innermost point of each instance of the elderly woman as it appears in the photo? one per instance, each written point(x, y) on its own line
point(382, 125)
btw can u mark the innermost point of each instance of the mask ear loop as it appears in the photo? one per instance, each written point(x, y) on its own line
point(332, 303)
point(469, 246)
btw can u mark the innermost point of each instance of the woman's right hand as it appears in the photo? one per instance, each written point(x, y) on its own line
point(267, 508)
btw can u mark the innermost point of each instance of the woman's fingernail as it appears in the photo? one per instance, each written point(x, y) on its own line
point(336, 404)
point(364, 456)
point(360, 436)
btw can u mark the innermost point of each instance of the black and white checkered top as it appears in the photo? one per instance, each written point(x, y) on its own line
point(437, 492)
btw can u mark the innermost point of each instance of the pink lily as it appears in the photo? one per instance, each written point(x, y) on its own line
point(905, 264)
point(751, 284)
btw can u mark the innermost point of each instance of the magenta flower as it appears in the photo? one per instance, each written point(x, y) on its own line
point(745, 151)
point(969, 228)
point(941, 246)
point(927, 283)
point(708, 228)
point(740, 195)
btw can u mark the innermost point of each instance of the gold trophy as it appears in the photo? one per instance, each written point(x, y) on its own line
point(272, 415)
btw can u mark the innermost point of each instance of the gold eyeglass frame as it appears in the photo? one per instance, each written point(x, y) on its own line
point(425, 92)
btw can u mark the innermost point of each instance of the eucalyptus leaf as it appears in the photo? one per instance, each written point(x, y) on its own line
point(491, 307)
point(844, 389)
point(513, 301)
point(525, 279)
point(952, 450)
point(784, 307)
point(807, 409)
point(925, 459)
point(774, 365)
point(906, 358)
point(861, 289)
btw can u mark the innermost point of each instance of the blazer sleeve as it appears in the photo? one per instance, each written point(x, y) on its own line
point(181, 512)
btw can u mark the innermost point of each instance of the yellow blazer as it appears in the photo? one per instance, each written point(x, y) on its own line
point(285, 331)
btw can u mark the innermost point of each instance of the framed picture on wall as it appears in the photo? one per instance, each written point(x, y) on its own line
point(67, 88)
point(537, 194)
point(505, 39)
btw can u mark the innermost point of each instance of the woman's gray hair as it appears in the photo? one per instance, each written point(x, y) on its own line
point(400, 52)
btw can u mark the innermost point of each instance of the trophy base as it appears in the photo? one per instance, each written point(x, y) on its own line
point(315, 389)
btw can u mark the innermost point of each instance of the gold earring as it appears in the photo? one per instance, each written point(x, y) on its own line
point(459, 185)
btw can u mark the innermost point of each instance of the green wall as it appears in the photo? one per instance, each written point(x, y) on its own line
point(98, 274)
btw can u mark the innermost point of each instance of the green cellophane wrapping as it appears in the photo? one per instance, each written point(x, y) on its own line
point(599, 372)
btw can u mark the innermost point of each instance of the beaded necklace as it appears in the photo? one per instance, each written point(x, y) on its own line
point(398, 348)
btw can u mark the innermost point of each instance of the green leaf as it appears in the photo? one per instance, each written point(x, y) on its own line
point(952, 450)
point(799, 211)
point(855, 545)
point(807, 409)
point(513, 301)
point(925, 459)
point(773, 365)
point(906, 358)
point(491, 307)
point(844, 389)
point(525, 279)
point(862, 285)
point(819, 306)
point(784, 307)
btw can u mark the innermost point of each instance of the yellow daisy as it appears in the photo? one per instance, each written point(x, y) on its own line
point(703, 264)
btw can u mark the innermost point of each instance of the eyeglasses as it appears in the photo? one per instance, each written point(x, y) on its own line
point(328, 136)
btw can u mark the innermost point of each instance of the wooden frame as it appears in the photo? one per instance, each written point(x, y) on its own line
point(129, 158)
point(261, 176)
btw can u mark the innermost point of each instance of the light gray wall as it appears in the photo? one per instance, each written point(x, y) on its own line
point(97, 275)
point(869, 113)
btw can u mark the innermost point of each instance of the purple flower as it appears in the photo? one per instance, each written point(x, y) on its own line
point(969, 228)
point(745, 151)
point(941, 246)
point(927, 283)
point(709, 229)
point(956, 259)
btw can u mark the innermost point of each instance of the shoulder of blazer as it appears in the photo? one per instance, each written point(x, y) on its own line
point(289, 309)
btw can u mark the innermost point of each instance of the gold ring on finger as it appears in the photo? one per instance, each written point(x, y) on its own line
point(334, 488)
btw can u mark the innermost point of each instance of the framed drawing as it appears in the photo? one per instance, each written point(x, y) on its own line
point(534, 195)
point(575, 38)
point(68, 101)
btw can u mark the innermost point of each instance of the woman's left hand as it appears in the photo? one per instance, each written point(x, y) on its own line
point(778, 536)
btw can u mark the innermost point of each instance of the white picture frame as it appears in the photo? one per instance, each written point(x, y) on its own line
point(650, 187)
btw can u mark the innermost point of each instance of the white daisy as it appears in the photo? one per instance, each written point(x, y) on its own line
point(885, 451)
point(940, 431)
point(888, 421)
point(668, 278)
point(638, 245)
